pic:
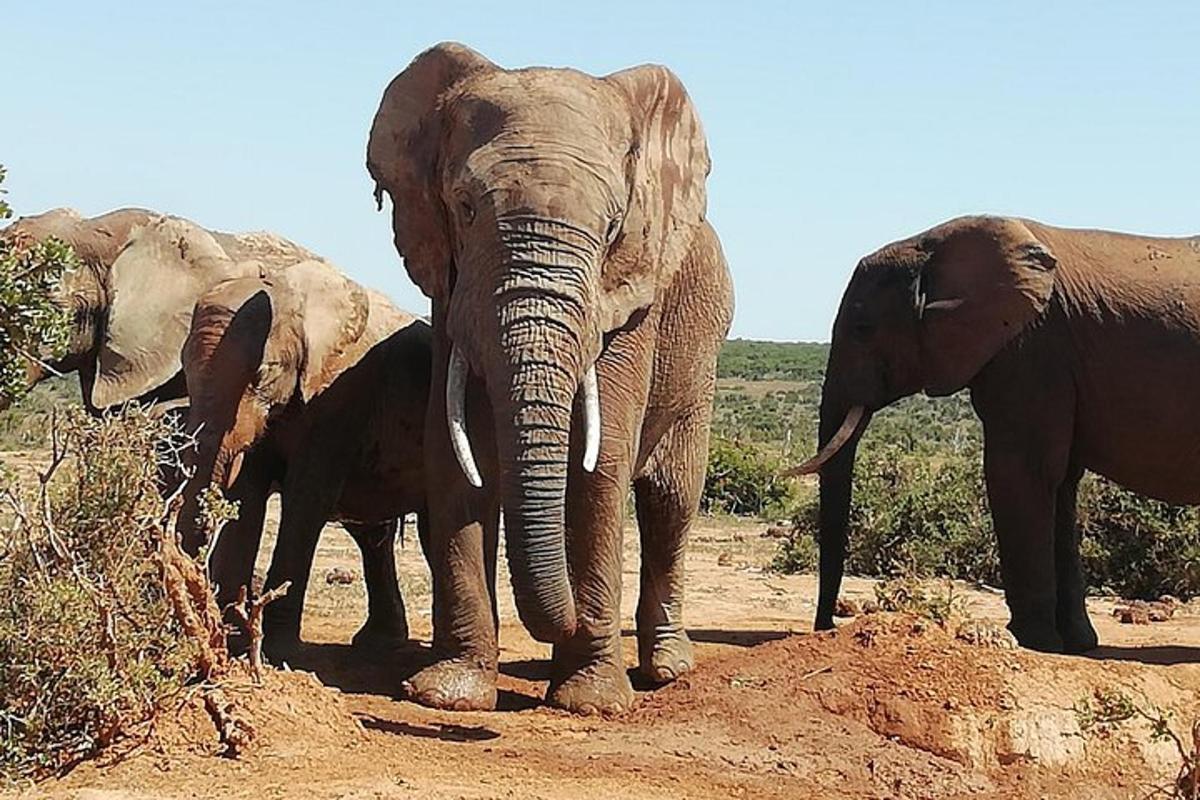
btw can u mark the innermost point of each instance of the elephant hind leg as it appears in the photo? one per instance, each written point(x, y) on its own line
point(386, 627)
point(667, 496)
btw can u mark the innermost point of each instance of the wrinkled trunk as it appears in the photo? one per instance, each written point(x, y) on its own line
point(542, 296)
point(212, 461)
point(837, 478)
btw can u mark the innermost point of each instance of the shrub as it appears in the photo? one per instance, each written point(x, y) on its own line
point(743, 481)
point(32, 324)
point(89, 644)
point(911, 515)
point(1136, 547)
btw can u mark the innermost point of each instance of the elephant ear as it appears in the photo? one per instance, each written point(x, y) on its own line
point(152, 286)
point(669, 166)
point(984, 281)
point(402, 157)
point(333, 311)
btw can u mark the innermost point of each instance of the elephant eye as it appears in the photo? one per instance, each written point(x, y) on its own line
point(467, 210)
point(614, 229)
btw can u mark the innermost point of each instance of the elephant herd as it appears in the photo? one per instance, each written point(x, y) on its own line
point(579, 299)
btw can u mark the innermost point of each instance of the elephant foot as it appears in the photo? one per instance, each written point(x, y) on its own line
point(601, 688)
point(279, 646)
point(669, 657)
point(1037, 638)
point(454, 685)
point(381, 636)
point(1079, 636)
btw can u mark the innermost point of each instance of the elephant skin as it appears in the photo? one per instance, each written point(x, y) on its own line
point(1078, 348)
point(126, 339)
point(557, 222)
point(307, 382)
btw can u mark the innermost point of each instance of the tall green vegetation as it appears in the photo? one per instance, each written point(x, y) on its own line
point(32, 325)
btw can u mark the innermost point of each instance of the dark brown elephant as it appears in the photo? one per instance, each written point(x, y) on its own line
point(1081, 350)
point(557, 221)
point(307, 382)
point(131, 302)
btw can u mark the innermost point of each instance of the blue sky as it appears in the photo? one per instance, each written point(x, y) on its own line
point(834, 128)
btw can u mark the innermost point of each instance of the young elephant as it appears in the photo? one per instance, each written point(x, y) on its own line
point(131, 299)
point(308, 382)
point(1081, 349)
point(557, 221)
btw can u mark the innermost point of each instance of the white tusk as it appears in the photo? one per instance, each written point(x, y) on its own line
point(591, 419)
point(456, 418)
point(814, 464)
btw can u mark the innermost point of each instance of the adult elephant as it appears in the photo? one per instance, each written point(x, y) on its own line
point(557, 221)
point(1081, 349)
point(131, 303)
point(308, 382)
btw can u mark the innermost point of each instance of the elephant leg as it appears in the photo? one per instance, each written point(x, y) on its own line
point(1023, 510)
point(587, 673)
point(491, 547)
point(307, 505)
point(386, 627)
point(231, 564)
point(1074, 627)
point(667, 495)
point(464, 672)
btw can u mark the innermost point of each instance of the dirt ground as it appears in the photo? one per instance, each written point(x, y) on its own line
point(889, 707)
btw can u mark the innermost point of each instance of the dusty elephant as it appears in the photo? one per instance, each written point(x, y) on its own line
point(557, 221)
point(1080, 349)
point(308, 382)
point(131, 303)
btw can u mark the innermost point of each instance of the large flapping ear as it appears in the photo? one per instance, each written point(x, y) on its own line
point(669, 166)
point(333, 312)
point(402, 157)
point(985, 280)
point(152, 286)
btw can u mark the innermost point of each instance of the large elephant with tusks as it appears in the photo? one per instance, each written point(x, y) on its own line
point(557, 221)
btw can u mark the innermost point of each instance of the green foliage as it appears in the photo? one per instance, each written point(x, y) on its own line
point(1136, 547)
point(757, 361)
point(911, 515)
point(743, 481)
point(32, 324)
point(937, 602)
point(89, 648)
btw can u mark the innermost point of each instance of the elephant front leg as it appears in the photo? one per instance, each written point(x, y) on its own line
point(231, 564)
point(463, 674)
point(1023, 510)
point(386, 627)
point(1074, 626)
point(587, 672)
point(668, 499)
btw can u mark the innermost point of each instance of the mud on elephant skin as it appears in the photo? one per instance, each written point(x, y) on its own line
point(557, 222)
point(309, 384)
point(131, 299)
point(1079, 348)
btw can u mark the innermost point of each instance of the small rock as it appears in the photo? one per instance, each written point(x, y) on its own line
point(725, 559)
point(339, 576)
point(845, 607)
point(777, 532)
point(1132, 615)
point(870, 607)
point(983, 633)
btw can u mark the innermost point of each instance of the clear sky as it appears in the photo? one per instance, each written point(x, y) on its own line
point(834, 127)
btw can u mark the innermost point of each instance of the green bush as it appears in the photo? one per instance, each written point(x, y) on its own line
point(89, 647)
point(1136, 547)
point(743, 481)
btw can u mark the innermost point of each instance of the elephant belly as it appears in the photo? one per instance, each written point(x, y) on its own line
point(375, 496)
point(1146, 436)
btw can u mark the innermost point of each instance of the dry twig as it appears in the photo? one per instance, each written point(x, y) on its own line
point(249, 614)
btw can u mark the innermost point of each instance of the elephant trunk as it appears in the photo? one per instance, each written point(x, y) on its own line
point(539, 356)
point(845, 422)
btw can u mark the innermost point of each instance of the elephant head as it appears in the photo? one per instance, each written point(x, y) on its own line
point(131, 297)
point(923, 314)
point(540, 209)
point(255, 346)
